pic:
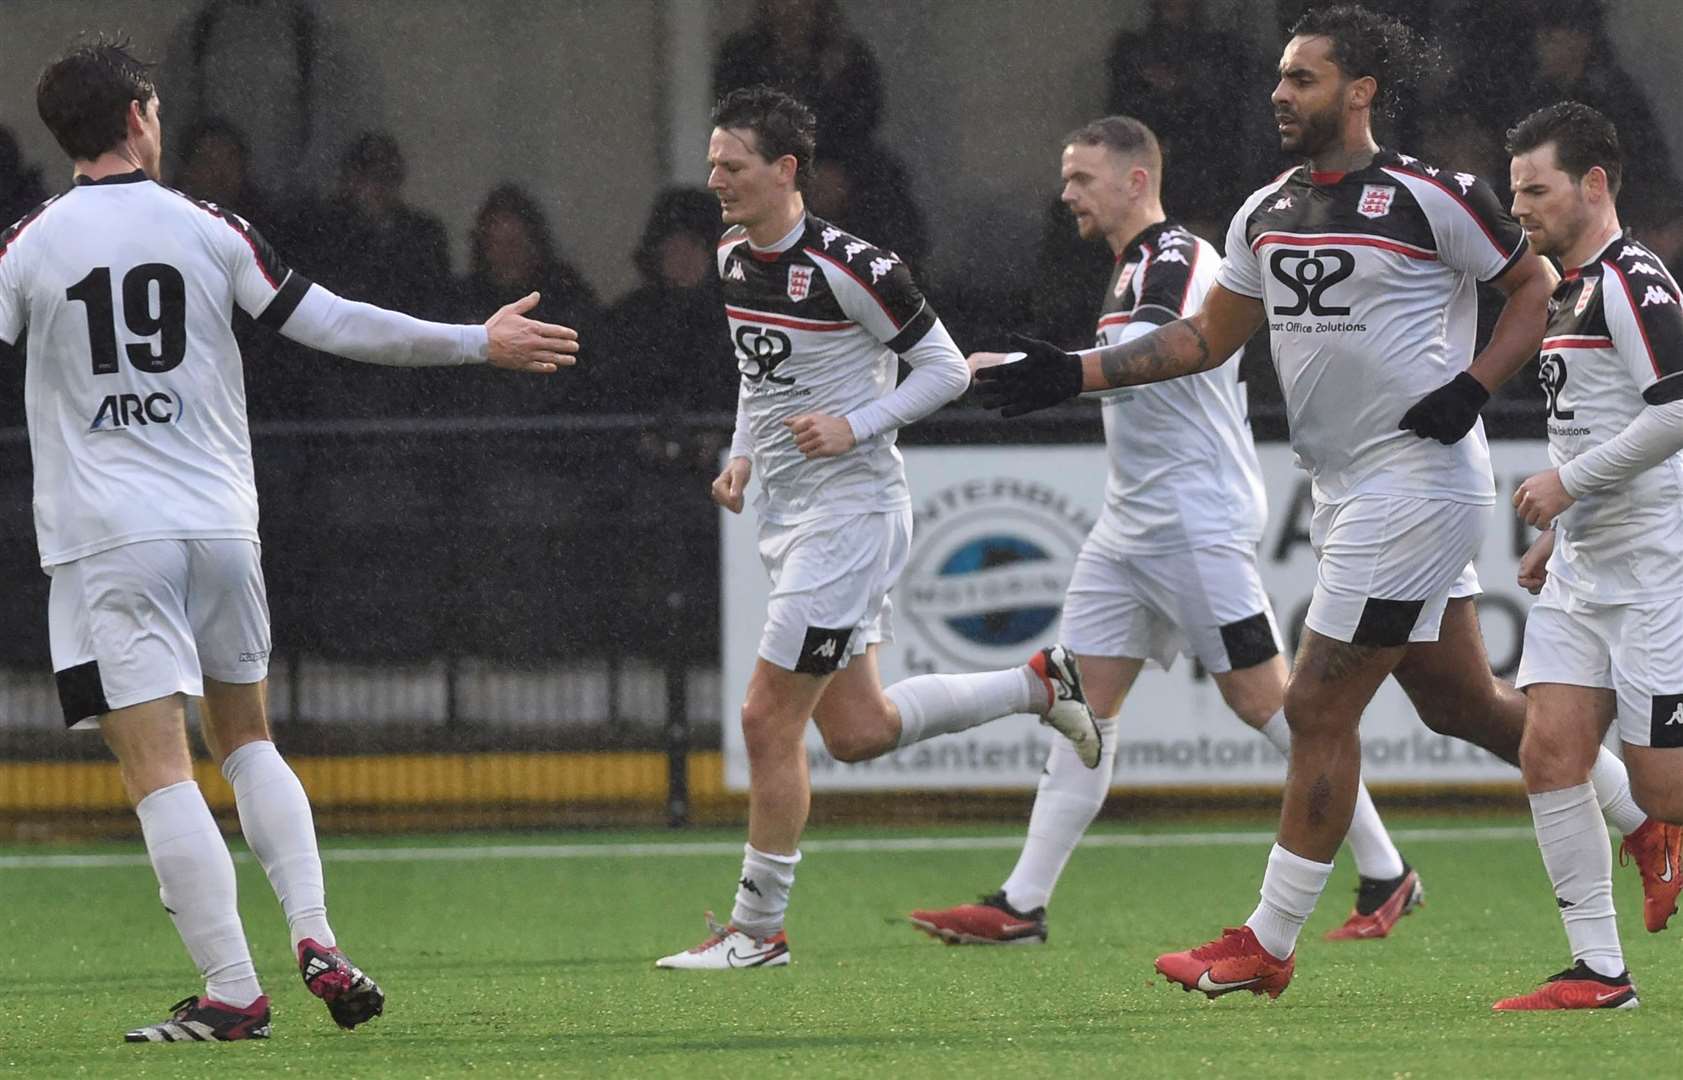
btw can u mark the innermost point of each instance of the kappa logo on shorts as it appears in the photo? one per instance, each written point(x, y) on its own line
point(1666, 726)
point(823, 650)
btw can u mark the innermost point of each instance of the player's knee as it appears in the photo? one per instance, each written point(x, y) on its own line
point(1253, 707)
point(856, 743)
point(1310, 712)
point(1551, 758)
point(765, 730)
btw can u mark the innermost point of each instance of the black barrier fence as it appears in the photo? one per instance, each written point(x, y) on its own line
point(483, 586)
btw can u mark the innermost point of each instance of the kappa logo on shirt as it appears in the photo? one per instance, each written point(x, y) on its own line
point(735, 272)
point(1171, 256)
point(1376, 200)
point(1645, 268)
point(1283, 203)
point(1466, 180)
point(854, 248)
point(1656, 295)
point(829, 236)
point(881, 266)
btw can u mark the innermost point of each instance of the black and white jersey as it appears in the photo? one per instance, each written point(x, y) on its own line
point(134, 389)
point(1369, 280)
point(1183, 468)
point(817, 325)
point(1615, 345)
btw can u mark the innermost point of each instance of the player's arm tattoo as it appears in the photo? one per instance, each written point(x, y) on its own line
point(1179, 348)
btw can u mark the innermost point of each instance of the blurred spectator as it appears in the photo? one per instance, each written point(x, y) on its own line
point(1162, 76)
point(1071, 275)
point(668, 342)
point(804, 47)
point(21, 189)
point(216, 167)
point(511, 253)
point(368, 245)
point(1570, 57)
point(867, 191)
point(286, 75)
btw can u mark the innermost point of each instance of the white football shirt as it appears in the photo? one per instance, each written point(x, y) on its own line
point(1369, 280)
point(134, 390)
point(1614, 346)
point(1183, 468)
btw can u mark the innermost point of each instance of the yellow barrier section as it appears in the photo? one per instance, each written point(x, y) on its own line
point(391, 780)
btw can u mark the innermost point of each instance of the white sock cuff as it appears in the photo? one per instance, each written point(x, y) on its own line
point(1297, 864)
point(1561, 799)
point(749, 851)
point(234, 763)
point(167, 794)
point(1278, 732)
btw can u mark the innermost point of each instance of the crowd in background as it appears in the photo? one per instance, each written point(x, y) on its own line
point(663, 347)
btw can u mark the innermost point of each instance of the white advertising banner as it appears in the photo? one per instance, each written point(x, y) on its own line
point(997, 529)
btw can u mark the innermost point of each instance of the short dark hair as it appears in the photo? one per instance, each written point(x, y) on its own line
point(83, 96)
point(781, 125)
point(1366, 43)
point(1123, 134)
point(1583, 138)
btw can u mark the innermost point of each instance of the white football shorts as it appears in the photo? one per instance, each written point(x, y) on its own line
point(1387, 566)
point(154, 618)
point(1635, 650)
point(830, 581)
point(1207, 602)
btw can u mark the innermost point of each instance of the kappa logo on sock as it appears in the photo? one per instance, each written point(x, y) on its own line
point(748, 883)
point(1563, 903)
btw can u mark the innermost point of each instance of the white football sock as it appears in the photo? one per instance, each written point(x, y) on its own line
point(1376, 856)
point(1612, 791)
point(275, 817)
point(932, 705)
point(762, 893)
point(196, 884)
point(1290, 888)
point(1069, 797)
point(1579, 859)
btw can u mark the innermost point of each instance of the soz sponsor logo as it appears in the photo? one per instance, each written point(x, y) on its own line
point(759, 349)
point(132, 410)
point(1307, 275)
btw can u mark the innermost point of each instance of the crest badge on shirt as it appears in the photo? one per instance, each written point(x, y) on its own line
point(1376, 200)
point(1124, 278)
point(800, 282)
point(1584, 297)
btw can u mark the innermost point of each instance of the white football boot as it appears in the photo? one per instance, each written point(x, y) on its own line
point(726, 948)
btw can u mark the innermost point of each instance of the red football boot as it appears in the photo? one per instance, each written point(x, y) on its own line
point(1234, 961)
point(993, 921)
point(1578, 987)
point(1380, 902)
point(1657, 849)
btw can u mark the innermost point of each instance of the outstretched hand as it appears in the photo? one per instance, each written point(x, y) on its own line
point(521, 344)
point(1045, 376)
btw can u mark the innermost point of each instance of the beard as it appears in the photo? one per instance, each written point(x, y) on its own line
point(1315, 132)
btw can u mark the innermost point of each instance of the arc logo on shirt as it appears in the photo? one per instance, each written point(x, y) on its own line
point(132, 410)
point(1376, 200)
point(800, 282)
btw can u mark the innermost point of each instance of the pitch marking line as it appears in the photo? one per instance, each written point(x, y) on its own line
point(486, 852)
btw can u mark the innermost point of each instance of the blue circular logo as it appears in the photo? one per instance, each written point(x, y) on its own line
point(1008, 623)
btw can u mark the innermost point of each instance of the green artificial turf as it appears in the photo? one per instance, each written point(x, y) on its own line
point(501, 966)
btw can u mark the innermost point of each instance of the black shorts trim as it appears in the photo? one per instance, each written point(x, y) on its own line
point(1387, 623)
point(1665, 729)
point(81, 693)
point(1249, 642)
point(823, 650)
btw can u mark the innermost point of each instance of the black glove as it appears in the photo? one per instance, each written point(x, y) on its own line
point(1044, 377)
point(1447, 413)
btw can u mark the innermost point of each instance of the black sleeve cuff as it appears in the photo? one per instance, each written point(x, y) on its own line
point(286, 301)
point(914, 330)
point(1665, 391)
